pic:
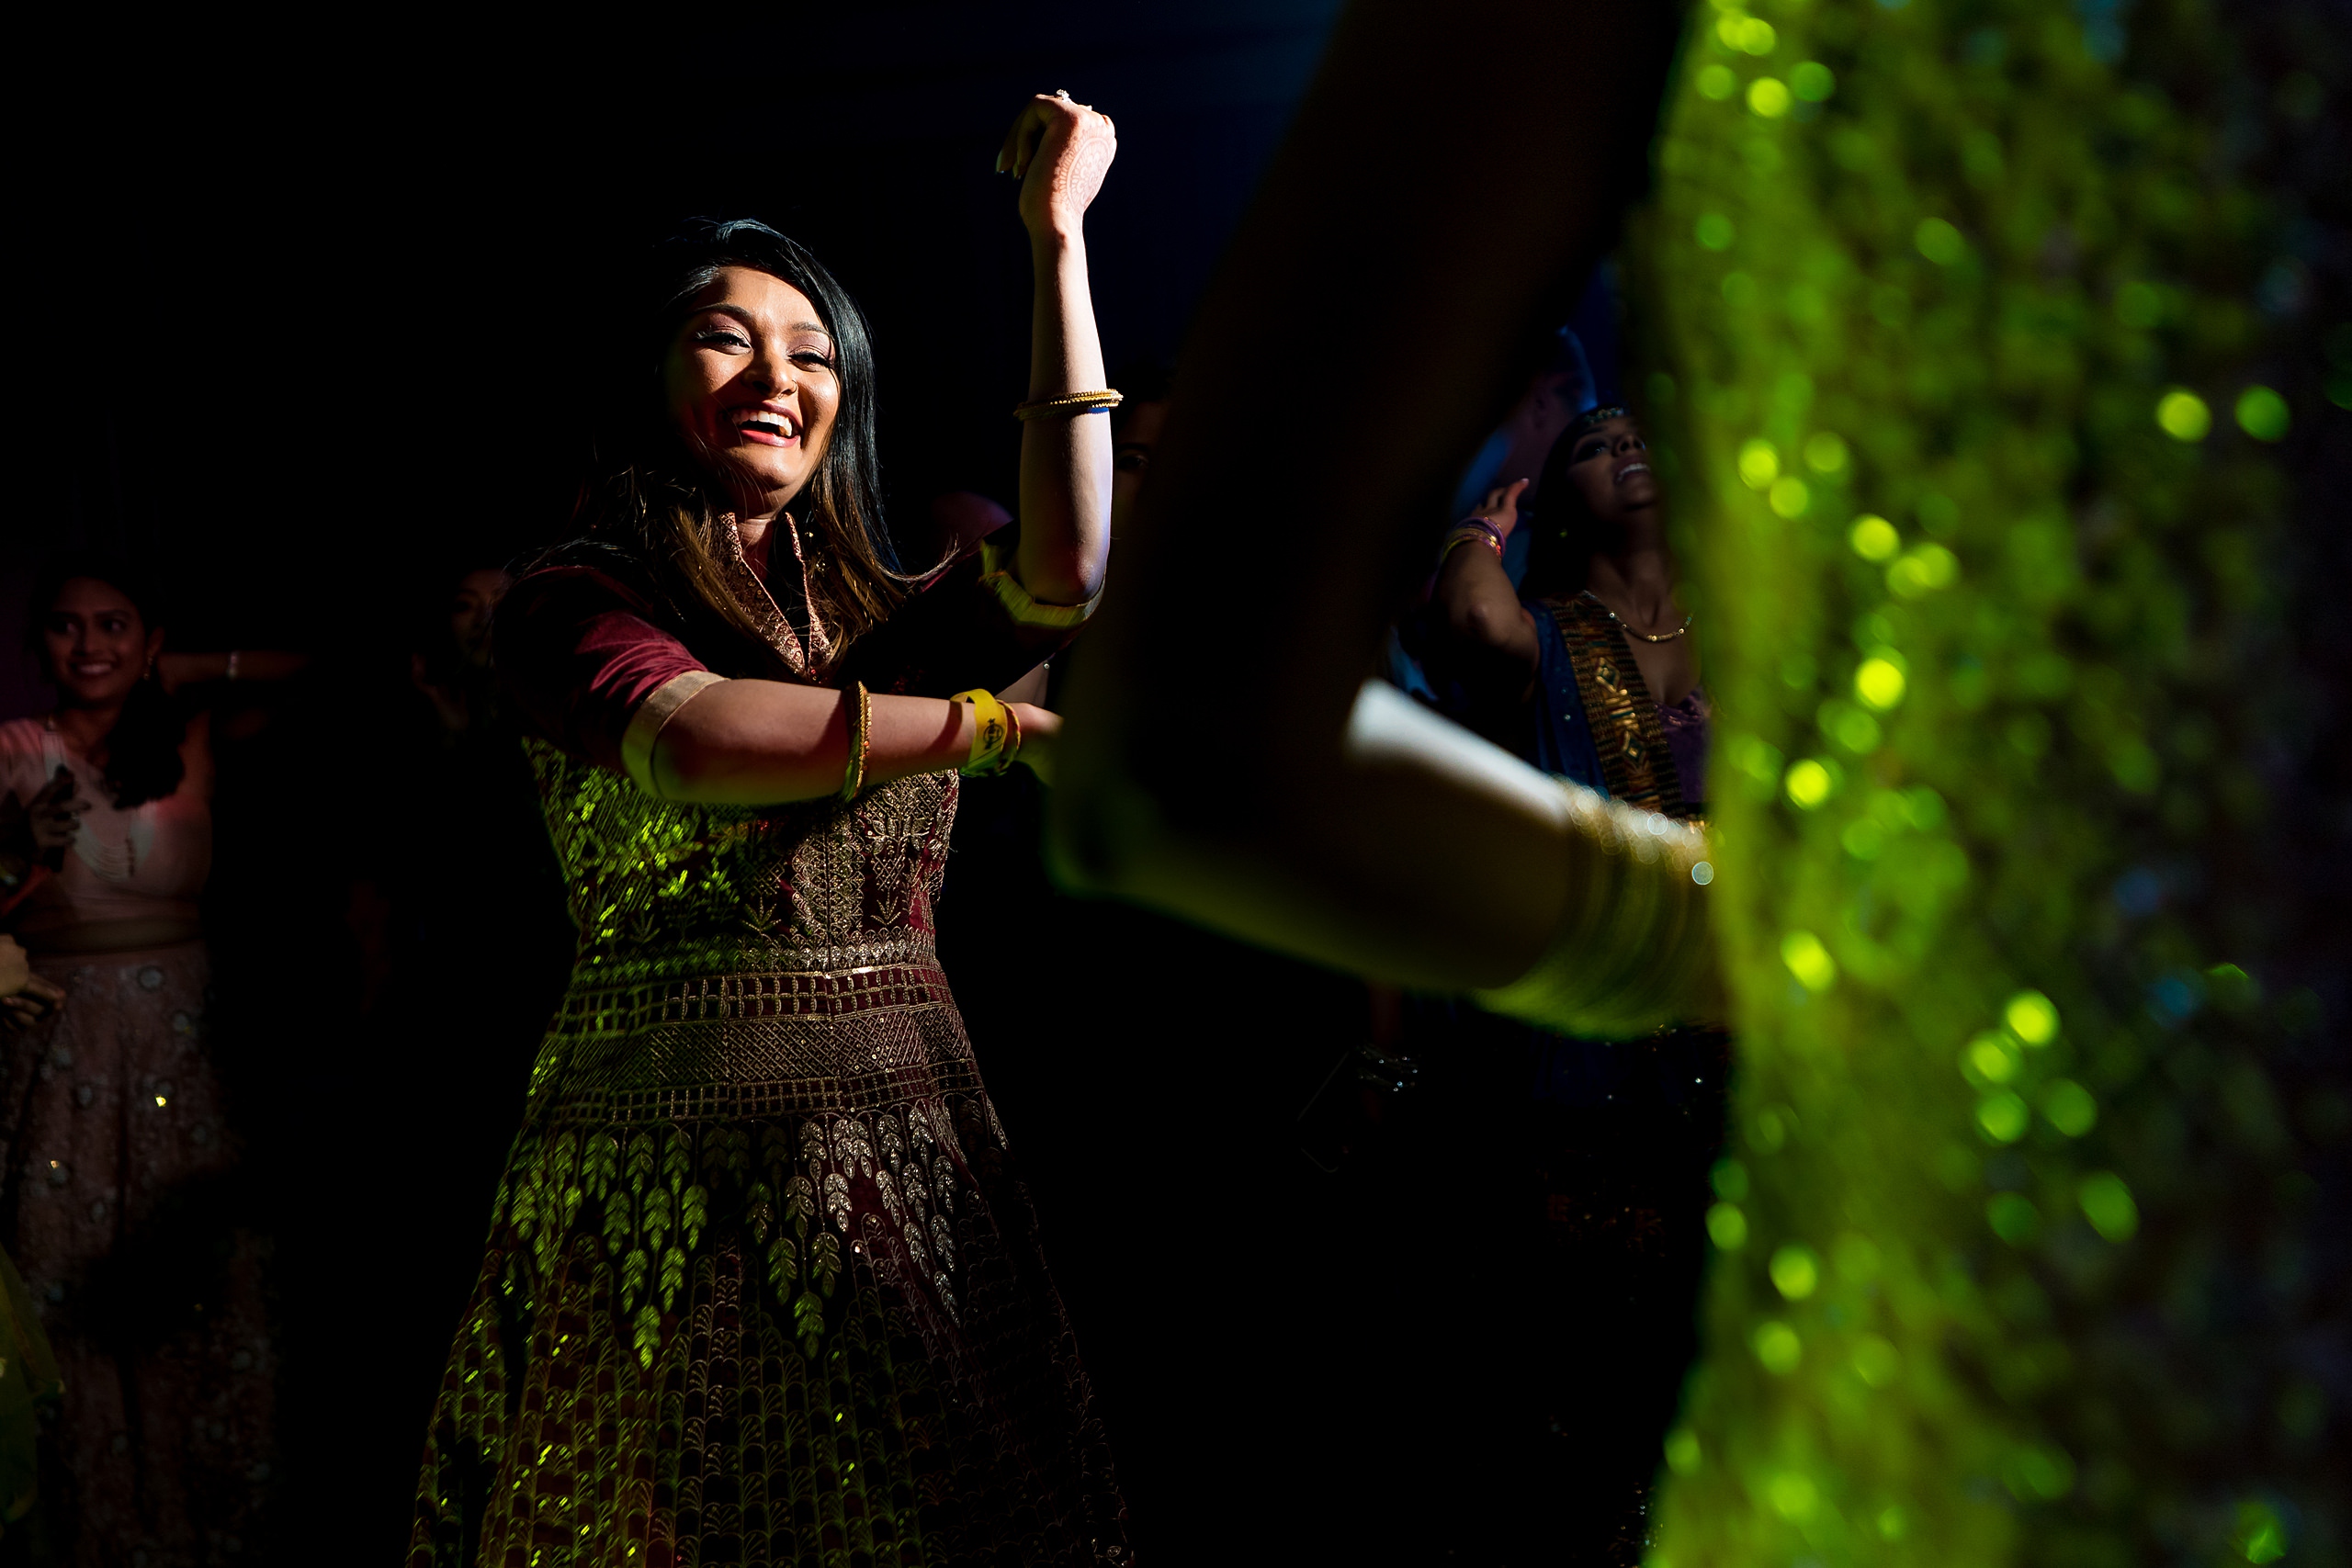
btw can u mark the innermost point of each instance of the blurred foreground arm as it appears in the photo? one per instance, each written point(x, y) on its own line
point(1355, 319)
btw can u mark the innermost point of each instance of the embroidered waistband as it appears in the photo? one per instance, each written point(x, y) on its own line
point(712, 999)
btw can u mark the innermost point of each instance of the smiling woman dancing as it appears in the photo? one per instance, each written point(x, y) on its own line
point(762, 1286)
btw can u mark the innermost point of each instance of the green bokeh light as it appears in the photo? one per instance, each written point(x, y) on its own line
point(2070, 1108)
point(1989, 1059)
point(2182, 415)
point(1768, 97)
point(1940, 240)
point(2108, 1205)
point(1809, 961)
point(1778, 1347)
point(2261, 1534)
point(1984, 262)
point(1874, 537)
point(1795, 1271)
point(1922, 570)
point(2003, 1117)
point(1825, 452)
point(1876, 1361)
point(1795, 1495)
point(1810, 782)
point(2262, 413)
point(1880, 682)
point(2031, 1017)
point(2013, 1218)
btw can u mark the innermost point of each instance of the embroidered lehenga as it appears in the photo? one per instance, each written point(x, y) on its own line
point(762, 1285)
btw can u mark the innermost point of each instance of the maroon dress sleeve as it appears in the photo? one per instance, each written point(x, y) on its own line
point(578, 654)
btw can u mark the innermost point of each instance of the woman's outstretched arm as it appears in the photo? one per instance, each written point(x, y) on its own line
point(768, 742)
point(1362, 316)
point(1061, 150)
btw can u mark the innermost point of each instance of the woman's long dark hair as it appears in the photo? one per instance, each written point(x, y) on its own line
point(143, 760)
point(649, 496)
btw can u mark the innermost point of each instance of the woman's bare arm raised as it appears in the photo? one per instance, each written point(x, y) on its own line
point(1061, 150)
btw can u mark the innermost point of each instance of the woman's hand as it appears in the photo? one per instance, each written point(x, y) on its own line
point(55, 816)
point(1040, 728)
point(25, 997)
point(1502, 507)
point(1060, 151)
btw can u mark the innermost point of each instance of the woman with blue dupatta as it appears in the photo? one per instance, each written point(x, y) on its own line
point(1596, 1152)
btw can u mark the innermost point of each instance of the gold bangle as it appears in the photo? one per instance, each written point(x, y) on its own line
point(991, 755)
point(1631, 948)
point(860, 729)
point(1068, 404)
point(1466, 536)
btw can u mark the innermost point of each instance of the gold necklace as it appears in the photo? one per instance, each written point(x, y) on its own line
point(1620, 625)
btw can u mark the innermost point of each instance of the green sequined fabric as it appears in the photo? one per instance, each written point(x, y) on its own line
point(762, 1286)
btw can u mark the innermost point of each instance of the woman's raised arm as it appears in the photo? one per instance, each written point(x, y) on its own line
point(1061, 150)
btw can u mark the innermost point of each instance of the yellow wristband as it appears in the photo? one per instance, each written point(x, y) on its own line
point(995, 740)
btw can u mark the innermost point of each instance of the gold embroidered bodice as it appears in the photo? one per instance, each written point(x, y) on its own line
point(746, 963)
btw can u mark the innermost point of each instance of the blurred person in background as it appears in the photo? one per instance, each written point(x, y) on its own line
point(456, 911)
point(29, 1381)
point(1561, 390)
point(117, 1194)
point(450, 664)
point(1587, 668)
point(1134, 433)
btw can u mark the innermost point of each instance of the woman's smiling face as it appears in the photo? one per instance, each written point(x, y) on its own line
point(97, 645)
point(1611, 466)
point(752, 386)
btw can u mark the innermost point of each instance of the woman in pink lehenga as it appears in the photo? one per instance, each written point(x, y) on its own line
point(117, 1159)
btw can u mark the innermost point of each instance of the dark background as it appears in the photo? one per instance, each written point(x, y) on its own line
point(309, 314)
point(308, 323)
